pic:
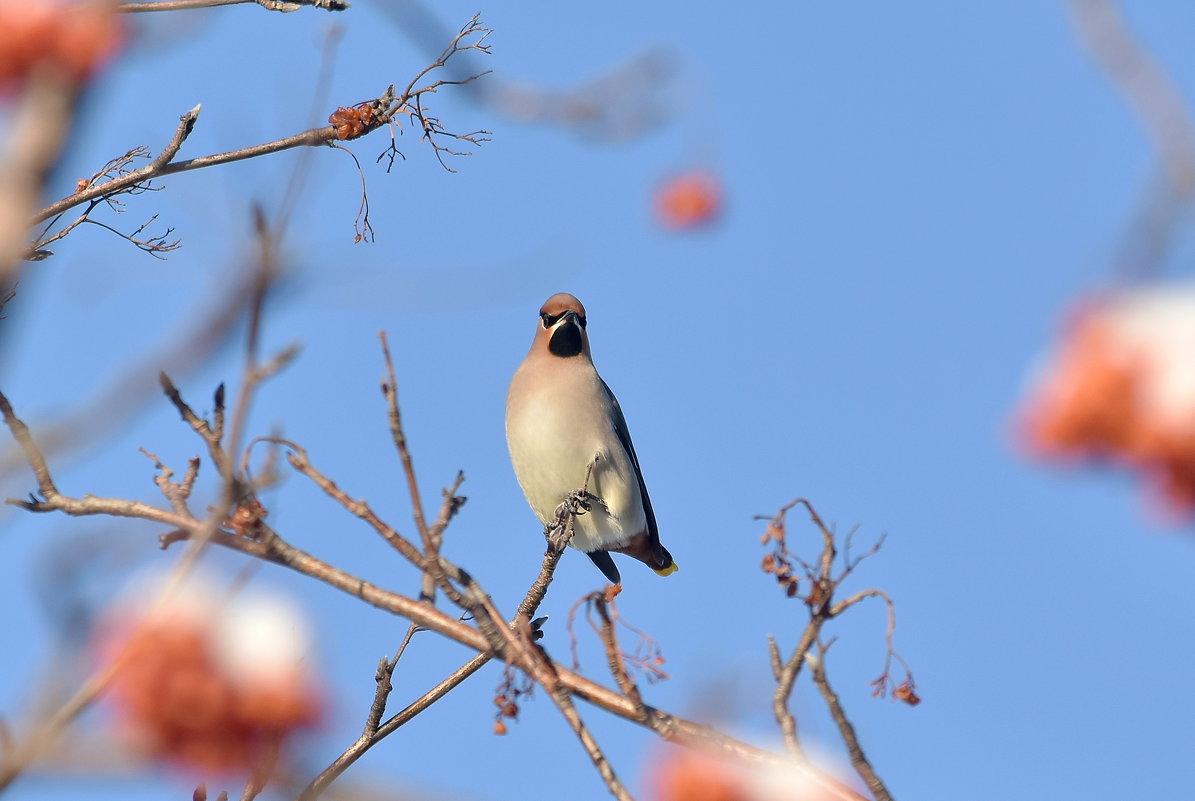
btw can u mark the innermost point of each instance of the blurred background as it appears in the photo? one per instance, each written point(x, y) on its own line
point(895, 208)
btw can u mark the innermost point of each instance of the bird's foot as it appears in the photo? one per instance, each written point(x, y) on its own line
point(577, 502)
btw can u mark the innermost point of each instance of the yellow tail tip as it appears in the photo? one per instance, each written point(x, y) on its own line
point(667, 571)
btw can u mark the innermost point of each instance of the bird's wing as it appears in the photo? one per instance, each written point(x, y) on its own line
point(624, 436)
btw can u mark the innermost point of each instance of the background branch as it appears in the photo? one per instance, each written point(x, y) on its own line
point(269, 5)
point(368, 117)
point(817, 669)
point(270, 546)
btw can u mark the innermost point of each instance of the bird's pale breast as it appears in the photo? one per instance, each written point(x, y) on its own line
point(553, 435)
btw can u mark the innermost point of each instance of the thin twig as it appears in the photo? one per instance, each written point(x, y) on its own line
point(211, 436)
point(527, 609)
point(199, 534)
point(670, 727)
point(817, 668)
point(388, 106)
point(821, 606)
point(157, 167)
point(270, 5)
point(358, 748)
point(518, 651)
point(491, 636)
point(361, 225)
point(614, 657)
point(104, 412)
point(1152, 94)
point(390, 390)
point(629, 100)
point(564, 703)
point(1157, 101)
point(297, 457)
point(373, 722)
point(784, 689)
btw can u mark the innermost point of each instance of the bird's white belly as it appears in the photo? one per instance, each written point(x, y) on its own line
point(550, 454)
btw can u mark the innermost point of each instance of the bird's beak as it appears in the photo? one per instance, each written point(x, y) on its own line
point(567, 337)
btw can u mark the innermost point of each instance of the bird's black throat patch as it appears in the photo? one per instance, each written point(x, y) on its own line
point(566, 341)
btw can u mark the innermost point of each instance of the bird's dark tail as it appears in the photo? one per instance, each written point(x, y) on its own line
point(606, 565)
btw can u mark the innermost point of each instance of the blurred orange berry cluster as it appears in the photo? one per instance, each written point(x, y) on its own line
point(352, 122)
point(689, 200)
point(208, 686)
point(71, 39)
point(677, 774)
point(1120, 387)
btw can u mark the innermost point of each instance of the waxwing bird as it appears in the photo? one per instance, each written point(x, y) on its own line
point(560, 418)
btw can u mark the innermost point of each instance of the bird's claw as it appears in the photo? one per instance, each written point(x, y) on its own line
point(576, 503)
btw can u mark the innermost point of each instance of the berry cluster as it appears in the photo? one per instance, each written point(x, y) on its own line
point(1119, 388)
point(779, 562)
point(69, 40)
point(352, 122)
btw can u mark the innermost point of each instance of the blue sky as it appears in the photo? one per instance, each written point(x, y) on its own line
point(914, 194)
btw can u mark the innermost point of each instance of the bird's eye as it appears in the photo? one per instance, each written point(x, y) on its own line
point(550, 320)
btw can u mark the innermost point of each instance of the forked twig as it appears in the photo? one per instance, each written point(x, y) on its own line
point(284, 6)
point(817, 669)
point(382, 111)
point(822, 582)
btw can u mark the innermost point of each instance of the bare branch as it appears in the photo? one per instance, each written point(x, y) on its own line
point(297, 457)
point(154, 245)
point(270, 5)
point(33, 454)
point(211, 436)
point(361, 227)
point(431, 545)
point(614, 655)
point(627, 101)
point(373, 722)
point(784, 689)
point(1145, 86)
point(520, 652)
point(38, 126)
point(564, 703)
point(199, 533)
point(490, 637)
point(380, 112)
point(358, 748)
point(471, 36)
point(1157, 101)
point(433, 128)
point(174, 491)
point(819, 601)
point(522, 620)
point(104, 412)
point(817, 667)
point(459, 44)
point(127, 180)
point(115, 168)
point(539, 588)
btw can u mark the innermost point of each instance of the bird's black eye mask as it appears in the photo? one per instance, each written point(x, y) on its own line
point(550, 320)
point(566, 340)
